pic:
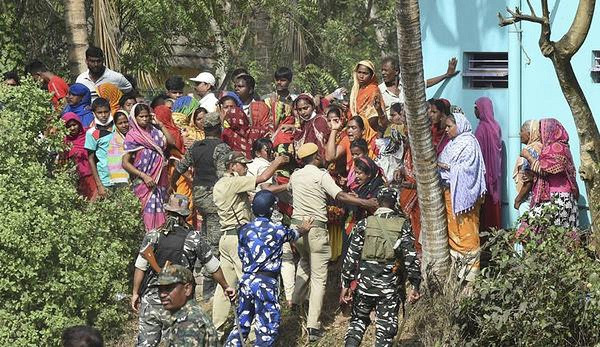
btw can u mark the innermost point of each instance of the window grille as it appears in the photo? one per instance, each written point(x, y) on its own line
point(595, 71)
point(486, 70)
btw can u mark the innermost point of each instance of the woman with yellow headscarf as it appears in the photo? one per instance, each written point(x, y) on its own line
point(365, 98)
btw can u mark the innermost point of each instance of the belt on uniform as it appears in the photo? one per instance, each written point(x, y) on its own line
point(315, 223)
point(232, 232)
point(270, 274)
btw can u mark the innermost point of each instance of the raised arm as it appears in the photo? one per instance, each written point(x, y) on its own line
point(450, 72)
point(332, 150)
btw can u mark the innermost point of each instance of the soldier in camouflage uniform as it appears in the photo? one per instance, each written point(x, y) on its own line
point(192, 248)
point(382, 254)
point(260, 249)
point(191, 326)
point(207, 158)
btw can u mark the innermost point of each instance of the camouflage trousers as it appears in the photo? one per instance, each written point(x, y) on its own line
point(258, 302)
point(154, 320)
point(386, 310)
point(205, 206)
point(211, 229)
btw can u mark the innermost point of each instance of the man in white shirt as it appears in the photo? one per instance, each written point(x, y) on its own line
point(204, 85)
point(391, 87)
point(98, 74)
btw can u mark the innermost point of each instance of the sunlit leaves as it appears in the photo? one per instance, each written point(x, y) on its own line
point(63, 259)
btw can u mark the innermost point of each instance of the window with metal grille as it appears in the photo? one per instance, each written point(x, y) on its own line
point(485, 70)
point(595, 72)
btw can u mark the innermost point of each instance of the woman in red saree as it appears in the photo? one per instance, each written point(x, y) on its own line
point(365, 98)
point(236, 125)
point(313, 125)
point(439, 111)
point(75, 139)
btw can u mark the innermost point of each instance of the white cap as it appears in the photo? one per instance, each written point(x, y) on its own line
point(205, 77)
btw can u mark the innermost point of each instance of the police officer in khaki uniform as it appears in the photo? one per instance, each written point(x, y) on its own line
point(230, 195)
point(310, 187)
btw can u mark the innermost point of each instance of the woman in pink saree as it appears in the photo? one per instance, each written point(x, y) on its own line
point(489, 136)
point(144, 158)
point(554, 181)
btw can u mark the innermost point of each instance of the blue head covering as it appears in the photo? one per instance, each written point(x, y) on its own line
point(235, 97)
point(262, 204)
point(83, 108)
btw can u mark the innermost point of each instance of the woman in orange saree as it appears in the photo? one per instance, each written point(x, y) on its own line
point(365, 98)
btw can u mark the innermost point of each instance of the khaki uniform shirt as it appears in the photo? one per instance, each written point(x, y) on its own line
point(230, 193)
point(310, 187)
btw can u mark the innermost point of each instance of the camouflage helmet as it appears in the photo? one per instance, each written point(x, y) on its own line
point(389, 193)
point(171, 274)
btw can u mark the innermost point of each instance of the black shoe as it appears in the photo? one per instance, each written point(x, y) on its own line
point(314, 334)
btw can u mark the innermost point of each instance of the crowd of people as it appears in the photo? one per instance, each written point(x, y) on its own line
point(268, 192)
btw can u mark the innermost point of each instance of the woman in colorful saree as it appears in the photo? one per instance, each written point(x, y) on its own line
point(369, 180)
point(236, 124)
point(116, 150)
point(175, 153)
point(313, 125)
point(366, 99)
point(463, 176)
point(554, 182)
point(145, 146)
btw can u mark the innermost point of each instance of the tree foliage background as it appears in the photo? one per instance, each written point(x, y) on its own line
point(65, 261)
point(257, 34)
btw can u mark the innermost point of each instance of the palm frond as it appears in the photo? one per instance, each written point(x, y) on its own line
point(106, 25)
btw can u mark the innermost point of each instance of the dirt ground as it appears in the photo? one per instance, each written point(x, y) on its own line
point(292, 331)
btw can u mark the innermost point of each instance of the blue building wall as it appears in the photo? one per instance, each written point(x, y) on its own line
point(451, 28)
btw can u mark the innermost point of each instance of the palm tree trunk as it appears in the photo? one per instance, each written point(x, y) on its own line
point(434, 234)
point(77, 35)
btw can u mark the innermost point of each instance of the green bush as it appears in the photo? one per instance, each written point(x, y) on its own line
point(546, 295)
point(64, 260)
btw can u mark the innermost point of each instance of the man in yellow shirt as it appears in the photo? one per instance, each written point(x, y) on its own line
point(230, 195)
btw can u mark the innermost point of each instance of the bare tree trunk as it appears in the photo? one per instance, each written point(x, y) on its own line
point(560, 53)
point(589, 137)
point(78, 37)
point(221, 71)
point(434, 234)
